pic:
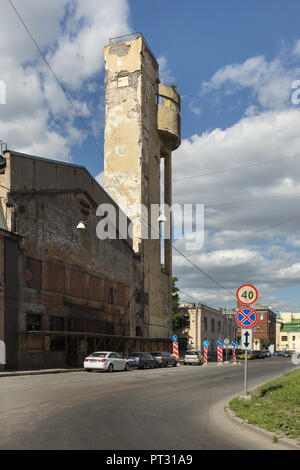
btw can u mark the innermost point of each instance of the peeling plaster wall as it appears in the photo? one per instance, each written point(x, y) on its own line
point(133, 153)
point(66, 272)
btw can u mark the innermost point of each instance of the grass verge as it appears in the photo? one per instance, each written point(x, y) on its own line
point(275, 406)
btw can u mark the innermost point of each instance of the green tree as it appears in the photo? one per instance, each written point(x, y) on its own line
point(176, 316)
point(178, 320)
point(265, 343)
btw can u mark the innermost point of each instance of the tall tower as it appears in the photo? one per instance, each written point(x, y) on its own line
point(142, 128)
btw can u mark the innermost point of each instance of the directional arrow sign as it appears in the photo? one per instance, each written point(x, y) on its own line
point(247, 339)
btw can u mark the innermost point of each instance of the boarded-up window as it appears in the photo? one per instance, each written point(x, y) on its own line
point(121, 330)
point(95, 289)
point(109, 329)
point(76, 284)
point(78, 324)
point(55, 277)
point(57, 323)
point(33, 273)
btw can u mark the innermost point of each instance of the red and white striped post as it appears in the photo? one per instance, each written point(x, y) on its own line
point(220, 352)
point(233, 354)
point(205, 346)
point(234, 345)
point(175, 350)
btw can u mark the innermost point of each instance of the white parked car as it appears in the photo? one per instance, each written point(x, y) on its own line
point(193, 357)
point(105, 360)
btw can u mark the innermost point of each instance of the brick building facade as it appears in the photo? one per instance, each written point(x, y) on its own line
point(76, 292)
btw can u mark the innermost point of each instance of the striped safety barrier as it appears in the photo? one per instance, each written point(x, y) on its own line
point(220, 354)
point(205, 356)
point(234, 355)
point(175, 350)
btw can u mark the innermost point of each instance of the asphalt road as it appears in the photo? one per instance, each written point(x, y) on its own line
point(162, 409)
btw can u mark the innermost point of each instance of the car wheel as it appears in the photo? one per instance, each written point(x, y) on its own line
point(175, 364)
point(110, 368)
point(126, 367)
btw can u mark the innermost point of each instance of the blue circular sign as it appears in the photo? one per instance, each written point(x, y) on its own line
point(220, 342)
point(174, 339)
point(206, 344)
point(234, 343)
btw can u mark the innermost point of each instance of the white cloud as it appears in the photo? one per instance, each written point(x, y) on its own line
point(269, 82)
point(165, 72)
point(244, 241)
point(37, 118)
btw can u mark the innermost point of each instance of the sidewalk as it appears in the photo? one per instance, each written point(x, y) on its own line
point(17, 373)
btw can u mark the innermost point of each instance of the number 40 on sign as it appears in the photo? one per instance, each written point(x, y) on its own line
point(247, 294)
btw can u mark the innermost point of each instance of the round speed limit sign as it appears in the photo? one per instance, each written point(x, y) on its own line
point(247, 294)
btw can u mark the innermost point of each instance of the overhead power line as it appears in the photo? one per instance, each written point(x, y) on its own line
point(226, 170)
point(94, 140)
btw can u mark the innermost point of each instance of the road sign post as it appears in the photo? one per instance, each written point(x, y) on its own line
point(226, 342)
point(246, 317)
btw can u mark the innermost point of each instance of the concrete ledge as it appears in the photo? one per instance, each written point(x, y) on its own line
point(18, 373)
point(290, 443)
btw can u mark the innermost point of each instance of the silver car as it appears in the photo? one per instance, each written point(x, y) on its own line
point(193, 357)
point(105, 360)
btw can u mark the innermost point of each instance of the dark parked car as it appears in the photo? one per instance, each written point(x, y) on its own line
point(164, 359)
point(286, 353)
point(259, 355)
point(267, 353)
point(142, 360)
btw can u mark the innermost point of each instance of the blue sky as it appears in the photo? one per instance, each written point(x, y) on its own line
point(234, 63)
point(200, 38)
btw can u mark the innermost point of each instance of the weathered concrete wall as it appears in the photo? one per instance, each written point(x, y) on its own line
point(67, 273)
point(2, 288)
point(133, 153)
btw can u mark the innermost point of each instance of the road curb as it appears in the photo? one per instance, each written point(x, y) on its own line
point(290, 443)
point(38, 372)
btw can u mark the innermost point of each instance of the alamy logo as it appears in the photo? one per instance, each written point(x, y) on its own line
point(296, 95)
point(2, 92)
point(186, 220)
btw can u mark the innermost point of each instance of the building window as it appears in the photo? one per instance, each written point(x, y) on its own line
point(212, 325)
point(219, 326)
point(167, 103)
point(254, 328)
point(205, 323)
point(261, 328)
point(33, 322)
point(138, 331)
point(138, 296)
point(261, 316)
point(111, 296)
point(57, 324)
point(284, 338)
